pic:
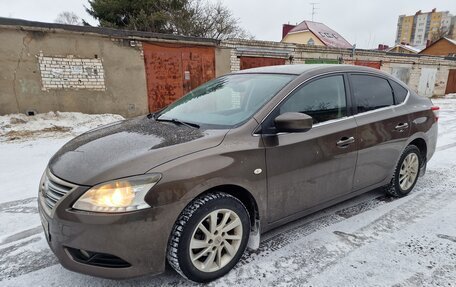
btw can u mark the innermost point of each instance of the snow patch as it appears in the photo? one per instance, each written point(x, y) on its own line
point(20, 127)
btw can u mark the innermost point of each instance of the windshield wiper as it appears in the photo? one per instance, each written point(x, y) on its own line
point(176, 121)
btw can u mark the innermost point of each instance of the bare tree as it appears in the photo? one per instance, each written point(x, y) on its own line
point(439, 33)
point(69, 18)
point(198, 18)
point(210, 20)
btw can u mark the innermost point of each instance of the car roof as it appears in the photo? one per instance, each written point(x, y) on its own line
point(299, 69)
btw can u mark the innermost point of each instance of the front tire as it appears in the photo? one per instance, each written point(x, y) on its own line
point(209, 237)
point(406, 172)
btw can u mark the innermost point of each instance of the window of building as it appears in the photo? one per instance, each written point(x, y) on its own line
point(371, 92)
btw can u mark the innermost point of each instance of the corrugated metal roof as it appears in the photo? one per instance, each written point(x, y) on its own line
point(325, 34)
point(406, 47)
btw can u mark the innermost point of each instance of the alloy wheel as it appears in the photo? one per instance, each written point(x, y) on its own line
point(408, 171)
point(216, 240)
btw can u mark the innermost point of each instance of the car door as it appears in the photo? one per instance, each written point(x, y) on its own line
point(383, 129)
point(308, 168)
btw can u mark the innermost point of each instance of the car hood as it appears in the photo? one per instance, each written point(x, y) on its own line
point(128, 148)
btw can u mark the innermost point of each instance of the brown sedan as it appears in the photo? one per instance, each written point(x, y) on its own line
point(197, 182)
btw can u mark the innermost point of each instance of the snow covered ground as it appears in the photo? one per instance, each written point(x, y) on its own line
point(371, 240)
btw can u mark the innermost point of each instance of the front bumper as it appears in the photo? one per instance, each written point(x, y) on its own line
point(138, 238)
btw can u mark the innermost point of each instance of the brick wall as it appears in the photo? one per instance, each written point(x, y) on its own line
point(71, 73)
point(442, 47)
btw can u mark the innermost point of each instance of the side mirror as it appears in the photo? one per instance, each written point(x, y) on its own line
point(293, 122)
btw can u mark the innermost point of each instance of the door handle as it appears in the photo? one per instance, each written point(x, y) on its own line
point(401, 127)
point(345, 142)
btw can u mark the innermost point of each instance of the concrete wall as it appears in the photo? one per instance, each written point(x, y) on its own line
point(389, 62)
point(58, 70)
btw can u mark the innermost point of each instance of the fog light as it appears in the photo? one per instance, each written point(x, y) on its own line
point(84, 253)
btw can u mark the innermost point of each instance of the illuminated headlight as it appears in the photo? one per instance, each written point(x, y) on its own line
point(121, 195)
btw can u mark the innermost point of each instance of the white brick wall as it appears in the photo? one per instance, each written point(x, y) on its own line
point(71, 73)
point(235, 61)
point(301, 53)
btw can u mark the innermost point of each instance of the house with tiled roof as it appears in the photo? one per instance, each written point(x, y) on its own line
point(313, 33)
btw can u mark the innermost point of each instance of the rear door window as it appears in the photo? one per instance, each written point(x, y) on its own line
point(371, 92)
point(400, 93)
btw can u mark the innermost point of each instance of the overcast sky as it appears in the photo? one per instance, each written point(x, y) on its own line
point(366, 23)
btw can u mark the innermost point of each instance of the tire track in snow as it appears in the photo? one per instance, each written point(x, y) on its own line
point(19, 255)
point(447, 237)
point(305, 262)
point(440, 276)
point(17, 259)
point(287, 237)
point(22, 234)
point(17, 206)
point(419, 206)
point(445, 147)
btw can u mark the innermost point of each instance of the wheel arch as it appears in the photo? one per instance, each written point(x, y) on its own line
point(418, 140)
point(244, 196)
point(421, 144)
point(249, 201)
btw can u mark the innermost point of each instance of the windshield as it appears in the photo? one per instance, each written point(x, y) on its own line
point(226, 101)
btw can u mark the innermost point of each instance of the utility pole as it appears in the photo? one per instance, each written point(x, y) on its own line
point(314, 9)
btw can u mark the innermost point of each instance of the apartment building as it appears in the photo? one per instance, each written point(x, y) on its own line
point(416, 30)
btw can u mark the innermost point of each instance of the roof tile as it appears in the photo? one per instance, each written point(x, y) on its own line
point(325, 34)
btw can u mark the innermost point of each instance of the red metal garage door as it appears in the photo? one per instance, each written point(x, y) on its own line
point(254, 62)
point(451, 83)
point(372, 64)
point(173, 70)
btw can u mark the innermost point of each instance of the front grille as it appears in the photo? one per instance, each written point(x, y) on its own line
point(53, 189)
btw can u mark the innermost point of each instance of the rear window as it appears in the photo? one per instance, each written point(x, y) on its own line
point(400, 93)
point(371, 92)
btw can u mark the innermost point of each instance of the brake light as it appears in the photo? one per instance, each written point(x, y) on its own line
point(436, 111)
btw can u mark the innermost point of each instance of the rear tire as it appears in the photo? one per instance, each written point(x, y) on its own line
point(209, 237)
point(406, 172)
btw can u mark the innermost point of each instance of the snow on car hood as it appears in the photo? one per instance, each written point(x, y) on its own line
point(128, 148)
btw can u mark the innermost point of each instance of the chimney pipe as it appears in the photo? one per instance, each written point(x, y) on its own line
point(286, 28)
